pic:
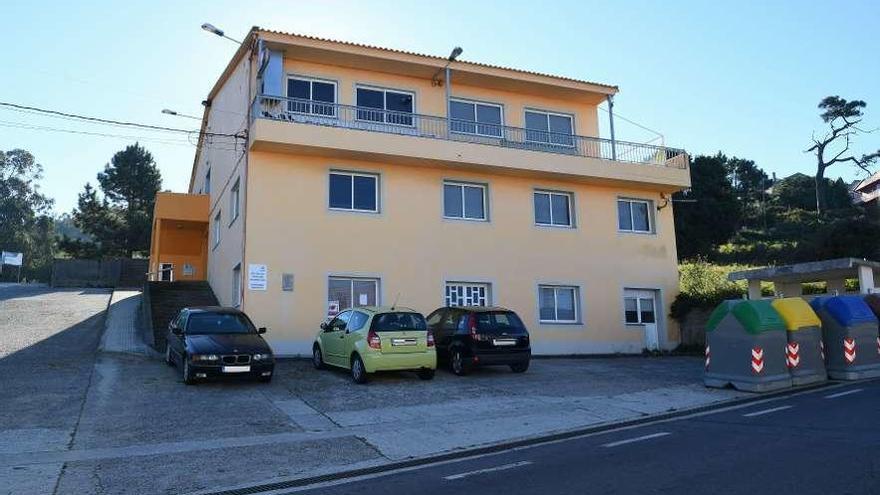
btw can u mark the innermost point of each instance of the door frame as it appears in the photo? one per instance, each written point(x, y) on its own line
point(170, 272)
point(659, 314)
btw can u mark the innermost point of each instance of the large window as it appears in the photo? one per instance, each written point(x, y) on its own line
point(235, 201)
point(208, 181)
point(321, 96)
point(471, 117)
point(548, 127)
point(558, 304)
point(465, 201)
point(467, 294)
point(216, 229)
point(350, 292)
point(354, 191)
point(236, 285)
point(553, 208)
point(634, 215)
point(383, 105)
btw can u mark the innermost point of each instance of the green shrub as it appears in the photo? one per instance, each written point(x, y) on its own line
point(704, 285)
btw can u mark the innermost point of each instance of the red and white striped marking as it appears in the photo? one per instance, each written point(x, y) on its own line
point(849, 350)
point(792, 354)
point(757, 360)
point(709, 355)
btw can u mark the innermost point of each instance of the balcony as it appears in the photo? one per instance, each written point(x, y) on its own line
point(563, 154)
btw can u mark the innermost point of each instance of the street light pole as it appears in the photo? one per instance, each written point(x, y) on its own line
point(447, 83)
point(219, 32)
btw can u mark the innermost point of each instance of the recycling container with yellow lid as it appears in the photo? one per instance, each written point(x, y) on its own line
point(804, 353)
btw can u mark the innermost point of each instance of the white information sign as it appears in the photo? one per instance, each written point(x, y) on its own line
point(363, 299)
point(10, 258)
point(257, 276)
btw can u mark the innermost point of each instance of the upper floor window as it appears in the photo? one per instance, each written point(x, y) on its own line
point(235, 201)
point(634, 215)
point(392, 107)
point(208, 181)
point(354, 191)
point(465, 201)
point(321, 93)
point(216, 229)
point(548, 127)
point(553, 208)
point(471, 117)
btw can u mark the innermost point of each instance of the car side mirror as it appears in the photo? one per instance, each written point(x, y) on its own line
point(261, 330)
point(324, 326)
point(176, 330)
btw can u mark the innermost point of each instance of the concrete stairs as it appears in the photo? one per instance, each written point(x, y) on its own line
point(163, 300)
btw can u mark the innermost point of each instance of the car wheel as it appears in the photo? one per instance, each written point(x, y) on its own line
point(188, 377)
point(265, 379)
point(426, 374)
point(317, 358)
point(358, 372)
point(519, 367)
point(168, 359)
point(459, 363)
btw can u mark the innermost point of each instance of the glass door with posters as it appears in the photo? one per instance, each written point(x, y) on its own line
point(640, 309)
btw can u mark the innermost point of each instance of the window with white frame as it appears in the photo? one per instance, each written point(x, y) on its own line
point(385, 105)
point(464, 200)
point(558, 304)
point(467, 294)
point(352, 292)
point(549, 127)
point(235, 201)
point(236, 285)
point(208, 181)
point(473, 117)
point(354, 191)
point(634, 215)
point(553, 208)
point(216, 229)
point(313, 96)
point(638, 307)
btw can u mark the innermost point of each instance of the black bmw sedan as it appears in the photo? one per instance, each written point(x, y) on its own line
point(214, 341)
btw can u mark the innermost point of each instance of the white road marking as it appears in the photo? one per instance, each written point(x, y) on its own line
point(503, 467)
point(637, 439)
point(765, 411)
point(841, 394)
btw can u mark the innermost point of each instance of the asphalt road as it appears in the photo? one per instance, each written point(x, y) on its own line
point(825, 441)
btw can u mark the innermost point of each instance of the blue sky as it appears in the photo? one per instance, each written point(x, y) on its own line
point(741, 77)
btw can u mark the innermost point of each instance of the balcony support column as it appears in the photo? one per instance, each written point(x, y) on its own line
point(611, 123)
point(447, 84)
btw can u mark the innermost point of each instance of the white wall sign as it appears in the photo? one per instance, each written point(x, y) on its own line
point(257, 276)
point(10, 258)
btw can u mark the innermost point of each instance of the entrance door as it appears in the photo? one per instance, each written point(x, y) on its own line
point(166, 272)
point(640, 308)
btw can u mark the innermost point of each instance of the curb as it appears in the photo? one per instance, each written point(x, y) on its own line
point(525, 442)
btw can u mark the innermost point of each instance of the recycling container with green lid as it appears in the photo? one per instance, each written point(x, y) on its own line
point(850, 333)
point(804, 353)
point(745, 347)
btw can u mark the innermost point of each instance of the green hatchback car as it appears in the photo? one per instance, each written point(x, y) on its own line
point(370, 339)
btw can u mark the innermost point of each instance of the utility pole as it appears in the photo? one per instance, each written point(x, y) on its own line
point(610, 99)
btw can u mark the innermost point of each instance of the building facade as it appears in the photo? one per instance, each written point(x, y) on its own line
point(344, 175)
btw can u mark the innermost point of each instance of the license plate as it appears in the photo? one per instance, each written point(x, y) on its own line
point(403, 341)
point(503, 342)
point(236, 369)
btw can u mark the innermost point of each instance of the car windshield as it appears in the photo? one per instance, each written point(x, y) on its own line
point(499, 322)
point(213, 323)
point(395, 322)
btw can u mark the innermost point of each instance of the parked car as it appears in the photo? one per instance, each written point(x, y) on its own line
point(472, 336)
point(370, 339)
point(213, 341)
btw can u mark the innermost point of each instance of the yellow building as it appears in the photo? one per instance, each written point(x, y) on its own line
point(336, 177)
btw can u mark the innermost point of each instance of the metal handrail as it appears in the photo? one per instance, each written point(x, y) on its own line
point(430, 126)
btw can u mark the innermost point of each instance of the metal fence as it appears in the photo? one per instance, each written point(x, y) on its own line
point(430, 126)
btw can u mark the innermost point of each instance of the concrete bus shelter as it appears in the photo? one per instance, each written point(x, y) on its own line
point(787, 280)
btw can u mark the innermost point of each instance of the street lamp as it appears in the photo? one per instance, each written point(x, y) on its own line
point(219, 32)
point(178, 114)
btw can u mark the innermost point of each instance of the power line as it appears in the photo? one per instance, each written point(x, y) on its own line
point(116, 122)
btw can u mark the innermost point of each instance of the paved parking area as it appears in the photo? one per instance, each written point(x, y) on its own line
point(106, 422)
